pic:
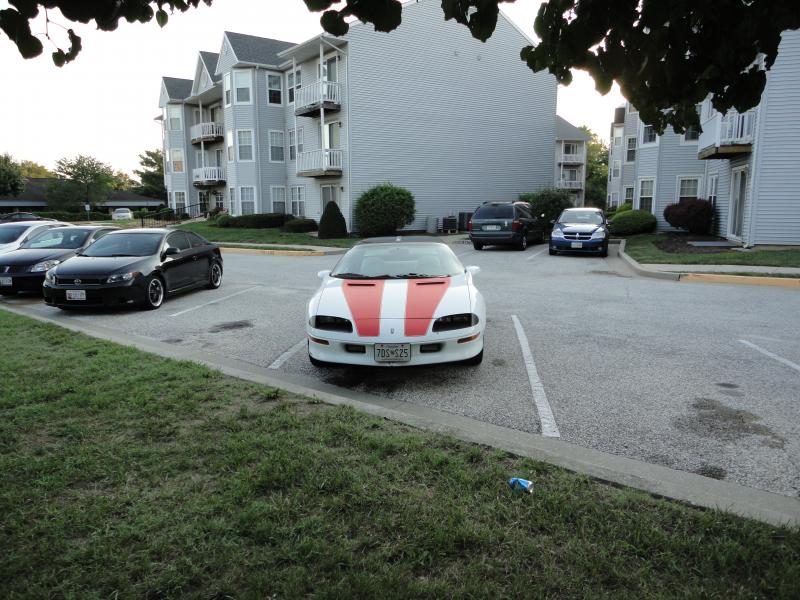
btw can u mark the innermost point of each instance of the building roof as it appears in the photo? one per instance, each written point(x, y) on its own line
point(567, 131)
point(178, 89)
point(35, 194)
point(210, 61)
point(258, 50)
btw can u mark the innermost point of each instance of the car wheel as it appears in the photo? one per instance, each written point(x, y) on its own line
point(523, 243)
point(214, 276)
point(604, 251)
point(318, 363)
point(477, 245)
point(154, 293)
point(475, 360)
point(552, 252)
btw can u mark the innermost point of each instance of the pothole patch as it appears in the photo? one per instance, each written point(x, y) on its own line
point(230, 326)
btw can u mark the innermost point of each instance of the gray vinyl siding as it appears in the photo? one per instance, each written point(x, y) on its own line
point(226, 59)
point(268, 117)
point(777, 151)
point(674, 160)
point(722, 169)
point(456, 121)
point(179, 182)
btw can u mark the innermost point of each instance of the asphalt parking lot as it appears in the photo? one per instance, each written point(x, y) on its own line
point(697, 377)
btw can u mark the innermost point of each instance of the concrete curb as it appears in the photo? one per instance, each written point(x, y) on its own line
point(696, 490)
point(784, 282)
point(233, 250)
point(639, 270)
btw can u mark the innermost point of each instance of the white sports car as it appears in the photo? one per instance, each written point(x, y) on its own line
point(397, 301)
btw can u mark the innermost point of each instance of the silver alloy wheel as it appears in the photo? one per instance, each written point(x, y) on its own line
point(216, 275)
point(155, 292)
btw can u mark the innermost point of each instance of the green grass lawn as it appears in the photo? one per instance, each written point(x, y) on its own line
point(643, 249)
point(262, 236)
point(256, 247)
point(126, 475)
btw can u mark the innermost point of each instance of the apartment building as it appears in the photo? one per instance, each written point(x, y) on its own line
point(746, 164)
point(570, 161)
point(272, 126)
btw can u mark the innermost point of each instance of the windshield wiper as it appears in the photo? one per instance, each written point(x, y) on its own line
point(417, 276)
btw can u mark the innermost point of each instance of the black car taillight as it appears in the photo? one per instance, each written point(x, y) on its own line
point(516, 225)
point(333, 323)
point(451, 322)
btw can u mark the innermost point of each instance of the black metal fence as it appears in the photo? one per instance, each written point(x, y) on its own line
point(168, 216)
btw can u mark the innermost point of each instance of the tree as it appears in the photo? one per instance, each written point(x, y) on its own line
point(11, 180)
point(123, 181)
point(95, 179)
point(34, 170)
point(666, 56)
point(547, 204)
point(151, 175)
point(65, 195)
point(596, 170)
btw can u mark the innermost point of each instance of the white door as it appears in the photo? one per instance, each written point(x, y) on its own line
point(736, 207)
point(328, 195)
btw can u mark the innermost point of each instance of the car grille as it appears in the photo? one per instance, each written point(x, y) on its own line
point(82, 280)
point(577, 236)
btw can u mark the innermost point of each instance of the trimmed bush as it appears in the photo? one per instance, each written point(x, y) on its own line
point(624, 207)
point(224, 220)
point(383, 210)
point(632, 222)
point(694, 214)
point(549, 202)
point(299, 226)
point(332, 224)
point(260, 221)
point(61, 215)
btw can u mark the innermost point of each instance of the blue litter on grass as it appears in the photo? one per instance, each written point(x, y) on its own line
point(523, 485)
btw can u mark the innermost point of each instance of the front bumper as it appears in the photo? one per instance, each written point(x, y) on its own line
point(449, 349)
point(104, 295)
point(563, 245)
point(22, 282)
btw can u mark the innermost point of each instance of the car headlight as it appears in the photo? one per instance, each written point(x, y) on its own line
point(557, 233)
point(50, 276)
point(332, 323)
point(44, 266)
point(120, 277)
point(599, 234)
point(451, 322)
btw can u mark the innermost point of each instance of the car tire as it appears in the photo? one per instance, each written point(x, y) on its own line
point(552, 252)
point(214, 275)
point(604, 251)
point(318, 363)
point(475, 360)
point(523, 242)
point(477, 245)
point(154, 293)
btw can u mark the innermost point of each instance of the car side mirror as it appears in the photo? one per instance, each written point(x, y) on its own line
point(552, 221)
point(171, 251)
point(323, 274)
point(473, 270)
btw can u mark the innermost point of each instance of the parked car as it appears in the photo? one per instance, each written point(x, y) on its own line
point(14, 234)
point(134, 266)
point(504, 223)
point(397, 302)
point(23, 270)
point(580, 230)
point(121, 214)
point(21, 216)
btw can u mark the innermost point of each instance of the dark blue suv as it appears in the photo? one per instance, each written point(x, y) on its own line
point(580, 230)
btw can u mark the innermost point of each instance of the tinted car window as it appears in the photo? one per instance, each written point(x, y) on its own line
point(383, 261)
point(524, 211)
point(9, 233)
point(196, 240)
point(494, 211)
point(126, 244)
point(68, 239)
point(178, 240)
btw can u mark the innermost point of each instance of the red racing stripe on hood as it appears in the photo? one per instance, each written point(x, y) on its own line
point(364, 301)
point(424, 295)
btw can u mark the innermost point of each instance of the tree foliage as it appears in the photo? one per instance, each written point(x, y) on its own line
point(81, 179)
point(151, 175)
point(34, 170)
point(12, 181)
point(596, 170)
point(548, 202)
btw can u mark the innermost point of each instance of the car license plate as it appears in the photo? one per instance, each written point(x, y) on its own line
point(577, 244)
point(491, 227)
point(76, 294)
point(5, 280)
point(392, 352)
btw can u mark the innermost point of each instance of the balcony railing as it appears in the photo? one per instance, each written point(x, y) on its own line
point(206, 132)
point(572, 158)
point(319, 163)
point(309, 99)
point(208, 176)
point(727, 136)
point(566, 184)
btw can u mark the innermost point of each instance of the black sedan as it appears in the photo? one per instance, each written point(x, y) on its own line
point(134, 266)
point(23, 270)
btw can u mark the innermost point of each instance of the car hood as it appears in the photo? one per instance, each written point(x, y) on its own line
point(99, 265)
point(578, 227)
point(31, 256)
point(8, 247)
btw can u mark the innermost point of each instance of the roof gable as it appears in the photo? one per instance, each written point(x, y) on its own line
point(210, 60)
point(255, 50)
point(567, 131)
point(177, 89)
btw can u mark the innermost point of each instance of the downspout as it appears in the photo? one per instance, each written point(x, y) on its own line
point(257, 136)
point(294, 115)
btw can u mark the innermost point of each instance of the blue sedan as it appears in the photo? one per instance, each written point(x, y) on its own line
point(580, 230)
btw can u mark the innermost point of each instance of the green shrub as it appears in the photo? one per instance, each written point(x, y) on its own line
point(299, 226)
point(693, 214)
point(624, 207)
point(631, 222)
point(549, 202)
point(223, 220)
point(62, 215)
point(139, 214)
point(332, 224)
point(383, 210)
point(260, 221)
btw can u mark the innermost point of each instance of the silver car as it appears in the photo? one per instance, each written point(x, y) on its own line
point(13, 235)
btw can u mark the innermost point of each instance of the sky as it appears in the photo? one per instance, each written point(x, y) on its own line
point(103, 103)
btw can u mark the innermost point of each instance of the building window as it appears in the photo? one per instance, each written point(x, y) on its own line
point(274, 89)
point(691, 135)
point(688, 187)
point(243, 83)
point(229, 143)
point(227, 87)
point(180, 202)
point(629, 194)
point(646, 188)
point(176, 160)
point(278, 193)
point(292, 84)
point(295, 143)
point(618, 131)
point(713, 184)
point(297, 194)
point(329, 69)
point(247, 195)
point(276, 148)
point(648, 135)
point(570, 148)
point(329, 194)
point(174, 116)
point(613, 199)
point(219, 200)
point(630, 150)
point(616, 169)
point(244, 144)
point(570, 174)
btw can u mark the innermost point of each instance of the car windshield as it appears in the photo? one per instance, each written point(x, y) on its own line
point(57, 238)
point(9, 233)
point(584, 217)
point(398, 261)
point(494, 211)
point(126, 244)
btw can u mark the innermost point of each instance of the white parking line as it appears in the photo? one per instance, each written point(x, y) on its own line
point(288, 354)
point(217, 301)
point(532, 256)
point(546, 418)
point(780, 359)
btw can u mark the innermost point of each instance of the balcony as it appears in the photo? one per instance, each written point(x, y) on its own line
point(572, 159)
point(310, 100)
point(207, 177)
point(565, 184)
point(207, 132)
point(320, 163)
point(727, 136)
